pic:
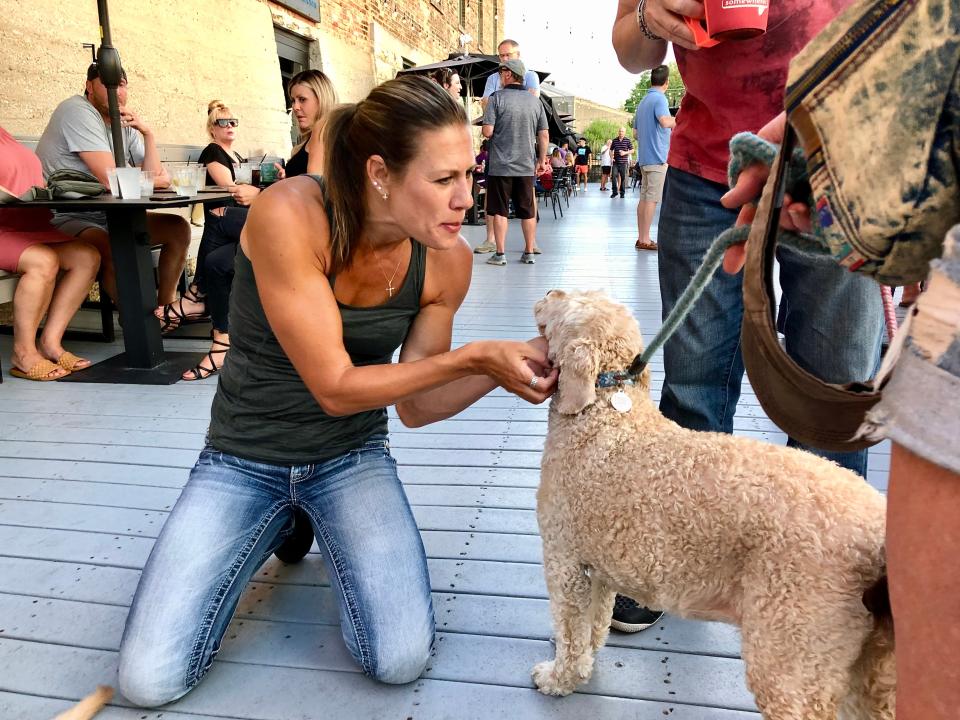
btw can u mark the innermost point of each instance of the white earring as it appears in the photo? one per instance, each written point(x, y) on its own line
point(383, 193)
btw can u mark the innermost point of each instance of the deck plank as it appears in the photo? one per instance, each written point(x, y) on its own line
point(89, 472)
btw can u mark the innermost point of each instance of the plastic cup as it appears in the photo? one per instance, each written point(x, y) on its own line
point(729, 20)
point(243, 174)
point(112, 179)
point(268, 173)
point(147, 180)
point(128, 180)
point(201, 176)
point(184, 181)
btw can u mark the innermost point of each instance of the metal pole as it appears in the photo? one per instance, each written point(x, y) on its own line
point(111, 74)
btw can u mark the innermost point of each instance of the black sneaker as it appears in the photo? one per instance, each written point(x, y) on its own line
point(613, 195)
point(298, 543)
point(629, 617)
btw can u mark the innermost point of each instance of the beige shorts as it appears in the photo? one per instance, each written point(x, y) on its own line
point(651, 187)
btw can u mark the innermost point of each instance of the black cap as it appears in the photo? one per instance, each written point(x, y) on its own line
point(93, 72)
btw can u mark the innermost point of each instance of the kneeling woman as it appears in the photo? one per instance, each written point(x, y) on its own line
point(331, 280)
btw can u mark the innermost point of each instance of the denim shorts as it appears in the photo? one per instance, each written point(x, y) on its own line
point(920, 409)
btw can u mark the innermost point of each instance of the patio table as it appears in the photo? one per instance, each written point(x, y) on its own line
point(144, 361)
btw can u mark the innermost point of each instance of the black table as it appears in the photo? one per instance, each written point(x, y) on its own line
point(144, 361)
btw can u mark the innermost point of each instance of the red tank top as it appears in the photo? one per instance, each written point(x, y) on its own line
point(738, 86)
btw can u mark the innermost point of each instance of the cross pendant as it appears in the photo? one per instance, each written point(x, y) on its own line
point(390, 289)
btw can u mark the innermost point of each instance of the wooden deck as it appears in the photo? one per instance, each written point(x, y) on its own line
point(89, 472)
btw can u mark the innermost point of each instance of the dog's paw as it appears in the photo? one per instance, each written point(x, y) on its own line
point(545, 677)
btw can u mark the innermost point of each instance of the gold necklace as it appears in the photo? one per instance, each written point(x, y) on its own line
point(390, 287)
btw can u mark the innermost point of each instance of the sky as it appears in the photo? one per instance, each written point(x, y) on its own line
point(573, 44)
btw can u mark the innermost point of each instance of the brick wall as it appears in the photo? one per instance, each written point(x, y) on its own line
point(180, 54)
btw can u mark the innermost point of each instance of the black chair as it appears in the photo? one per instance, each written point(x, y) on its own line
point(551, 193)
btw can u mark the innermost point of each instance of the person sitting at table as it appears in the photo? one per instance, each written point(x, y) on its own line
point(333, 275)
point(312, 95)
point(56, 272)
point(78, 137)
point(556, 159)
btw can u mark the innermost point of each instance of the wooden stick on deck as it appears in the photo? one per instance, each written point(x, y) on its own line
point(89, 706)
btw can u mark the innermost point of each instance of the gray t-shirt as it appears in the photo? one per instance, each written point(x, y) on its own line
point(76, 127)
point(516, 116)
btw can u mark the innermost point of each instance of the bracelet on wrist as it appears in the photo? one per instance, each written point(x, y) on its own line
point(642, 22)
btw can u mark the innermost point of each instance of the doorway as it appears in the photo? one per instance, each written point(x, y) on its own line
point(294, 54)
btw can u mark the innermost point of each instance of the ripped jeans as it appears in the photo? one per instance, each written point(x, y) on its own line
point(232, 514)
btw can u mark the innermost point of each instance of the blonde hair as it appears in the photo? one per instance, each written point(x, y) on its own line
point(216, 109)
point(326, 95)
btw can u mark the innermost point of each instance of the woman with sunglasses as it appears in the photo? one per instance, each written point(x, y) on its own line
point(312, 95)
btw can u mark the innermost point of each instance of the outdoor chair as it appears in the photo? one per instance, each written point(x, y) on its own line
point(544, 192)
point(561, 183)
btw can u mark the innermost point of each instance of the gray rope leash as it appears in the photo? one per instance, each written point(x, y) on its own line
point(745, 150)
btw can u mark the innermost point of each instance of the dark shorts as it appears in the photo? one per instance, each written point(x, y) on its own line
point(500, 190)
point(605, 169)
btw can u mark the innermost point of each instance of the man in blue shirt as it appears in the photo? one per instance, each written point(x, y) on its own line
point(651, 128)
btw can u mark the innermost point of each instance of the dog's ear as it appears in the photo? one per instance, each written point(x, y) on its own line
point(578, 376)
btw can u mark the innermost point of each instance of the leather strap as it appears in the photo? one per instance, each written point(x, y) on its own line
point(822, 415)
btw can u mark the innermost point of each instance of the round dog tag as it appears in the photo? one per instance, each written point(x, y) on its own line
point(621, 401)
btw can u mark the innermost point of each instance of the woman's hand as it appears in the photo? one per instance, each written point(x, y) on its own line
point(244, 194)
point(795, 216)
point(281, 171)
point(513, 365)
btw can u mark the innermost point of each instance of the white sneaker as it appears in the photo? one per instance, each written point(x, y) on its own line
point(497, 259)
point(485, 247)
point(528, 257)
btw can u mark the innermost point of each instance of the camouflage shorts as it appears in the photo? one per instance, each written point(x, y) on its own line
point(920, 408)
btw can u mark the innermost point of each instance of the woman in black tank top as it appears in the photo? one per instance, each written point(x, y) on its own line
point(330, 281)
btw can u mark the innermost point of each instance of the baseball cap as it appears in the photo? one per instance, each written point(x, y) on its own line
point(93, 72)
point(516, 66)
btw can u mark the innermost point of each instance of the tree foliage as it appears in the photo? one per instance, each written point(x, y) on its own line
point(675, 89)
point(598, 132)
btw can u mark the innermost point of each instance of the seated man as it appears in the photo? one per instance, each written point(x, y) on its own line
point(78, 138)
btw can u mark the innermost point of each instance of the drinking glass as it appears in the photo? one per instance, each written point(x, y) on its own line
point(128, 180)
point(147, 180)
point(184, 181)
point(243, 174)
point(112, 180)
point(201, 176)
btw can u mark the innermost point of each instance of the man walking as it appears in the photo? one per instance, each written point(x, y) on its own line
point(78, 137)
point(620, 149)
point(651, 127)
point(582, 162)
point(506, 50)
point(516, 124)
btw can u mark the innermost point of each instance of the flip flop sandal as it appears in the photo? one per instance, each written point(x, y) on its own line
point(201, 373)
point(69, 362)
point(40, 372)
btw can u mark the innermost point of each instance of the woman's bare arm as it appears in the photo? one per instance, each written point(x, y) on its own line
point(286, 238)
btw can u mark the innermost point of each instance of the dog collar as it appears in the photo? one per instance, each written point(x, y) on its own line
point(615, 378)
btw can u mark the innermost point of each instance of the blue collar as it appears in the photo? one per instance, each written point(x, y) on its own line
point(615, 378)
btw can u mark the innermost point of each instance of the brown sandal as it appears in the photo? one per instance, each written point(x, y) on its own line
point(202, 373)
point(40, 372)
point(71, 363)
point(645, 245)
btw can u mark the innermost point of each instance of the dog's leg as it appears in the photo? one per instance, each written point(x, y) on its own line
point(570, 603)
point(601, 611)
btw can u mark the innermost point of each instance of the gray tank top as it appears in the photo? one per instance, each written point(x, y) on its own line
point(264, 412)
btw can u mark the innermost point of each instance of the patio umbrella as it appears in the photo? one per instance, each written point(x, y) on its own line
point(108, 66)
point(473, 69)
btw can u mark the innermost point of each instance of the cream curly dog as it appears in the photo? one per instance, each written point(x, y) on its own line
point(704, 525)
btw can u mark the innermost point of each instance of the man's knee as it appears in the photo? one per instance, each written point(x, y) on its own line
point(142, 682)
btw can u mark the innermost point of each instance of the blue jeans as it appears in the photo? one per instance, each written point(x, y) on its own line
point(231, 516)
point(832, 319)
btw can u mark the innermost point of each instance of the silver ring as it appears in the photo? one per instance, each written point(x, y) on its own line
point(533, 381)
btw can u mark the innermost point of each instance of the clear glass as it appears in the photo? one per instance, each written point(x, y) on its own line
point(243, 173)
point(128, 180)
point(183, 179)
point(201, 176)
point(147, 180)
point(112, 179)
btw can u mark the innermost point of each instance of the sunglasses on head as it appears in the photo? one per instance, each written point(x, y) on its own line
point(227, 122)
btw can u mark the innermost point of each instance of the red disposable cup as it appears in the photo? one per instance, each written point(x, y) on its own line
point(729, 20)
